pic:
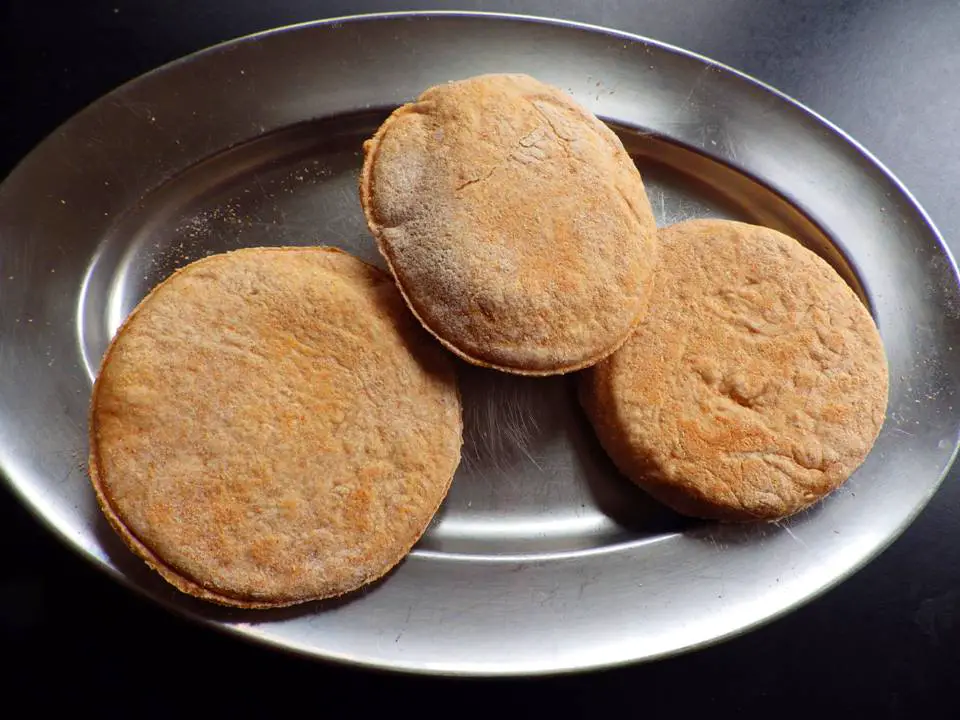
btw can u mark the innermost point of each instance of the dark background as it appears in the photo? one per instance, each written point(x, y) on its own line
point(885, 643)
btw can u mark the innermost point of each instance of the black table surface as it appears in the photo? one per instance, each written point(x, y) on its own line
point(886, 642)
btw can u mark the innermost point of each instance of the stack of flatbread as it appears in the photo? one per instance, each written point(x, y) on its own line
point(276, 425)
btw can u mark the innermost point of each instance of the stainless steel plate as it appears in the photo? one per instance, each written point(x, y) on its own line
point(543, 558)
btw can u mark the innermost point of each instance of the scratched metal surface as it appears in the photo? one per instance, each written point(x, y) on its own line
point(543, 558)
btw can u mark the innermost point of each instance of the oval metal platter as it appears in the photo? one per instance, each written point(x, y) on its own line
point(543, 558)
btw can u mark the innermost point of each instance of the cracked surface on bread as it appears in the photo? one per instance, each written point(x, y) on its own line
point(514, 221)
point(756, 385)
point(271, 426)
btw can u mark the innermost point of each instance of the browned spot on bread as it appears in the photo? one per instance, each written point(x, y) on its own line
point(756, 384)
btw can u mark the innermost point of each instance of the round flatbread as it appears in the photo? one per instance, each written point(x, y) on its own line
point(270, 426)
point(756, 385)
point(514, 222)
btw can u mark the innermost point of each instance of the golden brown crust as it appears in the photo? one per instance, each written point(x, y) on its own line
point(516, 225)
point(756, 385)
point(270, 426)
